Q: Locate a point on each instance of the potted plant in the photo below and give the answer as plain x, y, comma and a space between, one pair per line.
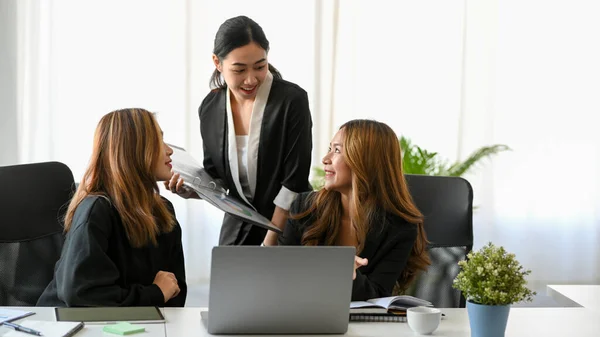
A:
491, 279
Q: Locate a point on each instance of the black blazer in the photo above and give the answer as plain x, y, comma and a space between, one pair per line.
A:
99, 267
284, 153
387, 247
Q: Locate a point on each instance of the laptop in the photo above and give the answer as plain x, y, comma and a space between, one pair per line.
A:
279, 290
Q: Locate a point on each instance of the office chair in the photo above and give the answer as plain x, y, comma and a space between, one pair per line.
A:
33, 199
447, 206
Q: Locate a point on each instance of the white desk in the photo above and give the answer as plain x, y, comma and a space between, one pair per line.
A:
547, 322
90, 330
522, 322
587, 296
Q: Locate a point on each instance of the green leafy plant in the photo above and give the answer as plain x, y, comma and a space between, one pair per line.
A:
416, 160
492, 276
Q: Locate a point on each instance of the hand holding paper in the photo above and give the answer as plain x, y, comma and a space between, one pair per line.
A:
176, 185
212, 190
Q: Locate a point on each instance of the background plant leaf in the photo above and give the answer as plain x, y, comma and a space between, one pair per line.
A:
458, 169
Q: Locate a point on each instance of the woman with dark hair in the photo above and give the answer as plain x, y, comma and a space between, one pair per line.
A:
256, 132
365, 203
123, 242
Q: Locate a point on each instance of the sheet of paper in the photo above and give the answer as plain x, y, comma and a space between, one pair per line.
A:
13, 314
48, 328
360, 304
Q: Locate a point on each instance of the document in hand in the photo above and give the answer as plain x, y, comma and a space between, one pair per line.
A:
212, 190
383, 304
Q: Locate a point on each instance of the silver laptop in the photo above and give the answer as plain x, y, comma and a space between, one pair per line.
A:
279, 290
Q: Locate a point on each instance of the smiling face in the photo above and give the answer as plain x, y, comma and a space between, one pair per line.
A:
162, 168
338, 175
244, 70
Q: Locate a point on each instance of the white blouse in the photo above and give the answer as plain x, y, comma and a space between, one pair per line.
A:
242, 153
285, 197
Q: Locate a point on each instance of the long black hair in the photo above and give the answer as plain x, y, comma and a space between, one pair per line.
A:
234, 33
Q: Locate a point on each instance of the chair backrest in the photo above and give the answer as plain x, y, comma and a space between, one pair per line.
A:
447, 207
33, 199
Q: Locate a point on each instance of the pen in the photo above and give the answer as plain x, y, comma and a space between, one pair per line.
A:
21, 328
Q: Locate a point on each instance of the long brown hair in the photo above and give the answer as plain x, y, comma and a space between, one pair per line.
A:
127, 145
372, 152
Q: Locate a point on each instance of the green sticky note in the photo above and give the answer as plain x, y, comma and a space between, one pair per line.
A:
123, 328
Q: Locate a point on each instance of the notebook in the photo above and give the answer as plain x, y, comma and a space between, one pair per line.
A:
102, 315
384, 304
49, 328
399, 317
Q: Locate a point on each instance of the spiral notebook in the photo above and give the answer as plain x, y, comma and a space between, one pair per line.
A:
399, 318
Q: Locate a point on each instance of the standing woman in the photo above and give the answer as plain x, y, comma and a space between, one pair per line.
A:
256, 132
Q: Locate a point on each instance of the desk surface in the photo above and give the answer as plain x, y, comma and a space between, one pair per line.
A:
548, 322
587, 296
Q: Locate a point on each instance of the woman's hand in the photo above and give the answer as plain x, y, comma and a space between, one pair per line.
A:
358, 262
167, 282
176, 186
278, 220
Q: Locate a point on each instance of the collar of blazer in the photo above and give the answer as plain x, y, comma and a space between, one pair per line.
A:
258, 110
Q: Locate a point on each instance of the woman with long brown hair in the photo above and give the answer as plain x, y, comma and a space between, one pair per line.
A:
365, 203
123, 242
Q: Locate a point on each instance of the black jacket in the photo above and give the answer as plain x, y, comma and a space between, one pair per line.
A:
284, 153
98, 266
387, 248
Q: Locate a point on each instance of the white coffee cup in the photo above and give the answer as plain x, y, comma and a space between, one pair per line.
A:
423, 320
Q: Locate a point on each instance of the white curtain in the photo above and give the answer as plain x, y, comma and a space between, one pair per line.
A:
450, 75
398, 62
457, 75
33, 86
531, 82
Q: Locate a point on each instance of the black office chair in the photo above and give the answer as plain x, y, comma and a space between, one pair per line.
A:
447, 207
33, 199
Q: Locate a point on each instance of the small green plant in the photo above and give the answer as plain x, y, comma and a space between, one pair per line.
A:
492, 276
416, 160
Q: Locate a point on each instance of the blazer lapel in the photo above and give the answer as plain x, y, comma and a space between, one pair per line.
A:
221, 134
256, 130
232, 149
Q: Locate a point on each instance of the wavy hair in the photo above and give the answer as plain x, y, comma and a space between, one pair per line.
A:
372, 152
127, 145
